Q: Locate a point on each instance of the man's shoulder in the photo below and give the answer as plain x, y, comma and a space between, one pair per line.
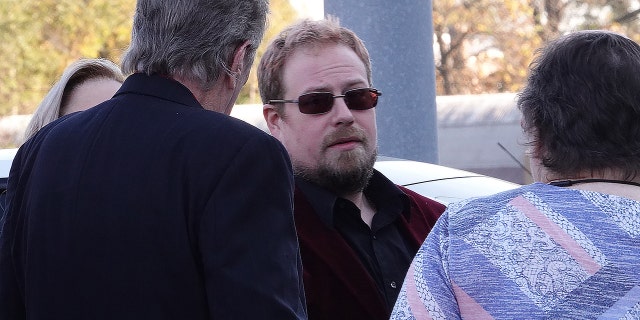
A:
189, 121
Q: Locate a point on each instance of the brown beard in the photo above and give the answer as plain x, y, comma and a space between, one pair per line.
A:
349, 174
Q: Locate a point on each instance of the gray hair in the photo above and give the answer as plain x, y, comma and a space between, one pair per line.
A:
193, 39
73, 76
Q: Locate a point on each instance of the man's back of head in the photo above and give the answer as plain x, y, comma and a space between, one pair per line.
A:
200, 43
150, 205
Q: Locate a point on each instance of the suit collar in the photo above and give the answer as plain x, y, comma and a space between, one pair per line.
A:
170, 89
320, 199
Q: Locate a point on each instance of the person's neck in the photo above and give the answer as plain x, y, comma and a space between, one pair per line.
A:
367, 209
608, 184
571, 182
216, 98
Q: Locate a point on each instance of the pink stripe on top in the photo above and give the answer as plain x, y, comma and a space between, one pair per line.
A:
469, 308
560, 236
418, 309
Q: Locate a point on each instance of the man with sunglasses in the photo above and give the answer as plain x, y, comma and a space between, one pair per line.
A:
358, 231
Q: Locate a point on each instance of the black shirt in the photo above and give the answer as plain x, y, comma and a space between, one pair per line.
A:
382, 249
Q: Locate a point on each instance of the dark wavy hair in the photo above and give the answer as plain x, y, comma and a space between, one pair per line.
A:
581, 104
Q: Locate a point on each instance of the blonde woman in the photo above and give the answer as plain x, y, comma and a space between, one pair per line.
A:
84, 84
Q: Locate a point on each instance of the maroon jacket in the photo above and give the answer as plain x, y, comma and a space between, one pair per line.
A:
337, 285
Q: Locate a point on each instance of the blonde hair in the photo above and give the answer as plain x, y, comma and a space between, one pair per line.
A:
74, 75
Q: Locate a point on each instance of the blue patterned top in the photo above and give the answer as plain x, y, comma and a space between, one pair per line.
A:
536, 252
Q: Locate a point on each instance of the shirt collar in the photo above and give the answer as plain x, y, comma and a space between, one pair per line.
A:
380, 191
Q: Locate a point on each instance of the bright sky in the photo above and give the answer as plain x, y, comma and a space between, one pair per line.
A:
313, 9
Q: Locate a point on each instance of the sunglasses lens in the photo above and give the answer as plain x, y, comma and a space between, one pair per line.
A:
361, 99
321, 102
315, 102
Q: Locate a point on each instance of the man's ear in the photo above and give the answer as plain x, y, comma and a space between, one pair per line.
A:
237, 65
272, 119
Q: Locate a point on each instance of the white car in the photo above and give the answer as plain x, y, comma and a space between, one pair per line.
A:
443, 184
440, 183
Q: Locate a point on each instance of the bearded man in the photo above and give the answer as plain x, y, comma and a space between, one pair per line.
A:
358, 231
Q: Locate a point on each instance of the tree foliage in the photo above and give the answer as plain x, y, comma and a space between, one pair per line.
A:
40, 38
481, 46
476, 49
485, 46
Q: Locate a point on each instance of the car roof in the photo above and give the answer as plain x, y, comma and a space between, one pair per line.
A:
405, 172
440, 183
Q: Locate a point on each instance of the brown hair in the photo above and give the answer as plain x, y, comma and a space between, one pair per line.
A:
305, 33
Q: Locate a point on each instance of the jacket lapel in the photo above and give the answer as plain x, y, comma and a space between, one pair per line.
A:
327, 245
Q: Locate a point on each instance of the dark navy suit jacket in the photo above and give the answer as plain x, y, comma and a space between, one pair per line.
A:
150, 207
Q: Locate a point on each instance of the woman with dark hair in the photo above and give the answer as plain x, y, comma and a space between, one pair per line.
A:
566, 246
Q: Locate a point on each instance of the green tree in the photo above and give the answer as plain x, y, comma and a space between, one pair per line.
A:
41, 37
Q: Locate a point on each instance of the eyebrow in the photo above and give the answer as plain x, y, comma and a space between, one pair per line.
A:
352, 85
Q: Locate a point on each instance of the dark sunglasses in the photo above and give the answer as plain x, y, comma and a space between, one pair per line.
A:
322, 102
